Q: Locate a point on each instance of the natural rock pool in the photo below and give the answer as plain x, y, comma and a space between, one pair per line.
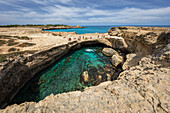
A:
65, 75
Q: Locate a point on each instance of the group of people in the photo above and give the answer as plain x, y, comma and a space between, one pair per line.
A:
85, 38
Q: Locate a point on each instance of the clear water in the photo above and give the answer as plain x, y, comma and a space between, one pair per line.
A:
89, 29
64, 75
99, 29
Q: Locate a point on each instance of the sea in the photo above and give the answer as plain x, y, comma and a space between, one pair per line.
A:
99, 29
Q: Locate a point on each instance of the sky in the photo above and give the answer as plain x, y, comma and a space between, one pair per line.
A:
85, 12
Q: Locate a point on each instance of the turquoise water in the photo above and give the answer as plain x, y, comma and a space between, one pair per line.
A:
65, 75
99, 29
89, 29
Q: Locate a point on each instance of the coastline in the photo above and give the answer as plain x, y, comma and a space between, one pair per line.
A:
141, 46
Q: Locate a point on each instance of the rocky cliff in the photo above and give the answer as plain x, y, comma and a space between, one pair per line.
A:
16, 73
143, 86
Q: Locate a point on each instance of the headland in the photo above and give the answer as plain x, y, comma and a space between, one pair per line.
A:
141, 86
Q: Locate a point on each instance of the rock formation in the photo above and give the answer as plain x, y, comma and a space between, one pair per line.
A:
143, 86
109, 52
11, 75
85, 77
116, 60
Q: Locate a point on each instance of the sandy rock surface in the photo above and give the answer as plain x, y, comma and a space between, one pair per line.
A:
116, 60
142, 87
42, 39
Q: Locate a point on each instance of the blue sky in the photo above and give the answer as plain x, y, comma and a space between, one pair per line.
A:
85, 12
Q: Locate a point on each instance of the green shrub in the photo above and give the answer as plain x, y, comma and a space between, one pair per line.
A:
26, 44
33, 25
22, 37
16, 37
2, 42
2, 58
12, 49
12, 42
5, 36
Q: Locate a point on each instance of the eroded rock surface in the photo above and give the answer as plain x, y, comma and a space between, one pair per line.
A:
142, 87
85, 76
139, 40
109, 51
14, 74
116, 60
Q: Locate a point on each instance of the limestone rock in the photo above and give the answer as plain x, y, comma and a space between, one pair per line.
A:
138, 40
143, 87
104, 41
134, 88
85, 76
118, 43
116, 60
131, 61
109, 51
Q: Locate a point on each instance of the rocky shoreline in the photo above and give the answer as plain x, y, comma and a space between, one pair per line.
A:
62, 27
11, 75
141, 87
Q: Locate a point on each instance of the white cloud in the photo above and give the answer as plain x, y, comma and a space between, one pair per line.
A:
85, 15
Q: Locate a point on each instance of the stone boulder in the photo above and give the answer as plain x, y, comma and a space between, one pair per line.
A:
109, 51
116, 60
118, 43
131, 61
85, 76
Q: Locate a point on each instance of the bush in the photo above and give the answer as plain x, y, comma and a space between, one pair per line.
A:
2, 42
12, 49
33, 25
22, 37
5, 36
12, 42
16, 37
2, 58
26, 44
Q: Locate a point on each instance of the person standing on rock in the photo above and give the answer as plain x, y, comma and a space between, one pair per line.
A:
140, 28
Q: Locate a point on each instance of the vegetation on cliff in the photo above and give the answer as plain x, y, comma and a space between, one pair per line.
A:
33, 25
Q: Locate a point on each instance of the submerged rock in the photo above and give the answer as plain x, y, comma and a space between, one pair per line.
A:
85, 76
109, 51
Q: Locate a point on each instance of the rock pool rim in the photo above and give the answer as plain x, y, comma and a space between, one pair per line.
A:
45, 70
51, 55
